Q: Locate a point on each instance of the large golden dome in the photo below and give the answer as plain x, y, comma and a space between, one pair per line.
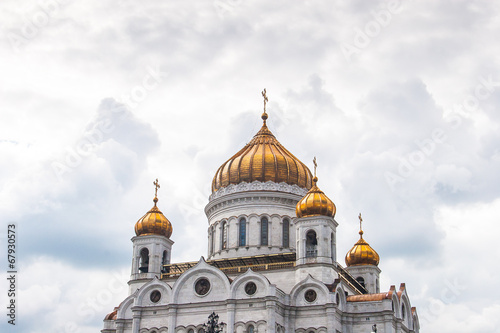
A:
263, 159
315, 202
362, 254
154, 222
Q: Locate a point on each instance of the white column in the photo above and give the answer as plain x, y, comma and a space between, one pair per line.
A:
136, 320
172, 318
271, 316
231, 307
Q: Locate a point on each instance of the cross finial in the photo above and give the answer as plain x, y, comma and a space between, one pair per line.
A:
157, 186
265, 98
315, 165
360, 224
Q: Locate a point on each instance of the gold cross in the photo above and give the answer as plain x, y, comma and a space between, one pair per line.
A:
315, 165
360, 222
265, 99
157, 186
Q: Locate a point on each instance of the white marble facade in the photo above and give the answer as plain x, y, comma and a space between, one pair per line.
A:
308, 296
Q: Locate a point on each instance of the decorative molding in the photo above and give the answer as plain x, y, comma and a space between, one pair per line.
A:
258, 186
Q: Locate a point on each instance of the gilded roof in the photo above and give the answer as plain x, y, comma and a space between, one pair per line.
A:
154, 223
315, 202
263, 159
362, 254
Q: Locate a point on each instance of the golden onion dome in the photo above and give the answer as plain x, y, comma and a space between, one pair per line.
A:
361, 253
315, 202
154, 222
263, 159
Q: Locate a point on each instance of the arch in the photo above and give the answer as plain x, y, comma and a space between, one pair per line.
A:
238, 284
286, 232
155, 284
202, 268
264, 230
242, 232
323, 294
361, 280
125, 307
340, 297
406, 315
311, 244
144, 260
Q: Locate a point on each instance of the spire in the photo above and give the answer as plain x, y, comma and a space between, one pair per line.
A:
264, 115
360, 225
157, 186
315, 179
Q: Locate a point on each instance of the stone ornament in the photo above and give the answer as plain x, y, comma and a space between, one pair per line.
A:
310, 295
250, 288
202, 286
258, 186
155, 296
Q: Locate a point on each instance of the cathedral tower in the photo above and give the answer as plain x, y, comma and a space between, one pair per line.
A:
252, 206
362, 263
152, 243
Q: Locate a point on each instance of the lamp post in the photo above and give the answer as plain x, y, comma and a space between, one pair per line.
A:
213, 325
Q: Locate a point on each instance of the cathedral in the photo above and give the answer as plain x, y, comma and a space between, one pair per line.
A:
271, 264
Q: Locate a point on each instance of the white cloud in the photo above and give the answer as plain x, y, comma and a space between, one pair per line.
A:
361, 118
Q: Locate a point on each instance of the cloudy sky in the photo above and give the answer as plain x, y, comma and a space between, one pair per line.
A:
398, 101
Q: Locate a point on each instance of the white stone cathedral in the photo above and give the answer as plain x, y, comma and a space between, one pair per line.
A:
271, 265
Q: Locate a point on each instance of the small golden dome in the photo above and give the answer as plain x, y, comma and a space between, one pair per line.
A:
154, 222
315, 202
263, 159
361, 253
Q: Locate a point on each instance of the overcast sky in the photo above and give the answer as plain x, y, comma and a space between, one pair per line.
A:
398, 101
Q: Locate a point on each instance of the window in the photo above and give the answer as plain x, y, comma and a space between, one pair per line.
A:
286, 233
360, 280
264, 231
144, 260
311, 244
250, 329
165, 258
212, 241
332, 245
223, 236
243, 232
403, 312
164, 261
191, 331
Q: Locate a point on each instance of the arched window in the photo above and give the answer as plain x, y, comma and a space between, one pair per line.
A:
377, 287
164, 260
337, 299
311, 244
213, 240
144, 260
243, 232
264, 231
210, 241
286, 233
201, 330
403, 312
190, 330
223, 236
250, 329
332, 246
360, 280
